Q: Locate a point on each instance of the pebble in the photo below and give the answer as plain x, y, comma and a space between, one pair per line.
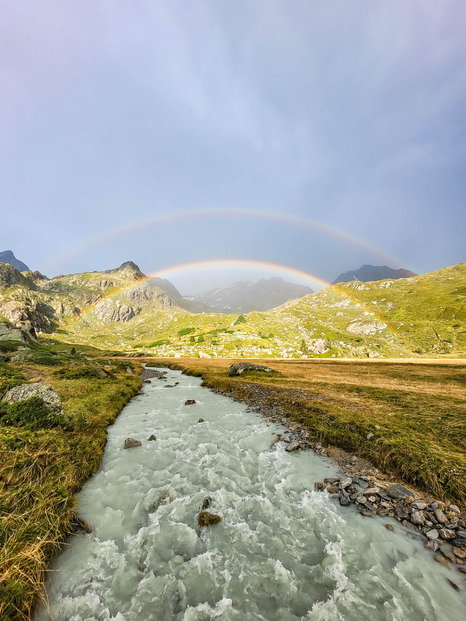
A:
432, 534
389, 527
344, 501
459, 552
420, 506
417, 517
370, 491
440, 516
346, 483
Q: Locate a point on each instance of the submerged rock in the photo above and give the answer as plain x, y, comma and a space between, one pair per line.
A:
132, 443
208, 519
293, 446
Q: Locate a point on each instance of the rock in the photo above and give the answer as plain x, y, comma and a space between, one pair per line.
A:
275, 440
432, 545
446, 533
370, 491
461, 533
401, 512
454, 509
448, 553
389, 527
344, 501
331, 480
440, 516
417, 517
318, 486
131, 443
27, 391
398, 492
189, 402
207, 519
346, 483
152, 438
201, 420
442, 560
420, 506
453, 585
169, 386
294, 446
247, 367
332, 490
459, 542
432, 534
206, 503
459, 552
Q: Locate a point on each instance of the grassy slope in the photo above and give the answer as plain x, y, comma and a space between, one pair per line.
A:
41, 470
424, 315
416, 412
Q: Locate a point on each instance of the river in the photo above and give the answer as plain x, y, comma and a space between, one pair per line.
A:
281, 551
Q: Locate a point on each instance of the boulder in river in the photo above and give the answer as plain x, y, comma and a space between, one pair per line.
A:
208, 519
152, 438
247, 367
201, 420
293, 446
131, 443
190, 401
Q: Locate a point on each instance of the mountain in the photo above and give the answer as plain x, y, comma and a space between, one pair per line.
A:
122, 309
371, 273
244, 296
7, 256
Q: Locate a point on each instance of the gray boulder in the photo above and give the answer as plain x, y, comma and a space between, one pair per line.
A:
27, 391
247, 367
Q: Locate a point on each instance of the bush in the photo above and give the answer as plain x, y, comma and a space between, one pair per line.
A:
72, 373
32, 414
185, 331
8, 346
47, 358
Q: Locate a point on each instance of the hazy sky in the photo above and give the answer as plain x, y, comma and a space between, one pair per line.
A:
199, 119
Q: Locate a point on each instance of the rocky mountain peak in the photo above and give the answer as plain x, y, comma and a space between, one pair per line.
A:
370, 273
7, 256
130, 266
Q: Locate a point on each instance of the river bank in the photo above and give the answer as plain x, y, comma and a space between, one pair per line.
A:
440, 522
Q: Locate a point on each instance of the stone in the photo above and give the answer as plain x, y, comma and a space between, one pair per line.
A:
448, 553
461, 533
346, 483
332, 490
453, 584
442, 560
190, 402
432, 534
344, 501
417, 517
132, 443
370, 491
331, 480
459, 552
294, 446
275, 440
440, 516
318, 486
206, 503
26, 391
169, 386
152, 438
432, 545
389, 527
401, 512
454, 509
459, 542
208, 519
446, 533
247, 367
201, 420
420, 506
398, 492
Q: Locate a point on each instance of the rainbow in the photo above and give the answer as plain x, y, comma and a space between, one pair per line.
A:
228, 213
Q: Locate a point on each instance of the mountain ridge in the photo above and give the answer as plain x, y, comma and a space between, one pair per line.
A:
372, 273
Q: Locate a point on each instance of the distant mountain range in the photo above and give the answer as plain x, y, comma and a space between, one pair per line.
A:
371, 273
244, 296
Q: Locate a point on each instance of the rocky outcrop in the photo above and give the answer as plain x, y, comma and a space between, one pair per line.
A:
26, 391
28, 311
8, 332
247, 367
10, 276
110, 312
368, 273
366, 327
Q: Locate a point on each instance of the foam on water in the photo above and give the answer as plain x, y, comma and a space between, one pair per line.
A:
281, 551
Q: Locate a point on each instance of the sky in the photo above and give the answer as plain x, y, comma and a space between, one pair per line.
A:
314, 135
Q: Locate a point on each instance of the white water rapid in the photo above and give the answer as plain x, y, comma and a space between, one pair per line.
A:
281, 552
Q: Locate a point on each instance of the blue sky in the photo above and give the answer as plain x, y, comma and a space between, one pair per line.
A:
349, 115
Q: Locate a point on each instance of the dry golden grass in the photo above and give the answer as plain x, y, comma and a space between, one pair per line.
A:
40, 473
415, 411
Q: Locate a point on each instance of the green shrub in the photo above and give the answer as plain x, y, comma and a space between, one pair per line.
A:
32, 414
47, 358
72, 373
7, 346
185, 331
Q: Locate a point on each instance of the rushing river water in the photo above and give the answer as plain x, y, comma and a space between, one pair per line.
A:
281, 551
